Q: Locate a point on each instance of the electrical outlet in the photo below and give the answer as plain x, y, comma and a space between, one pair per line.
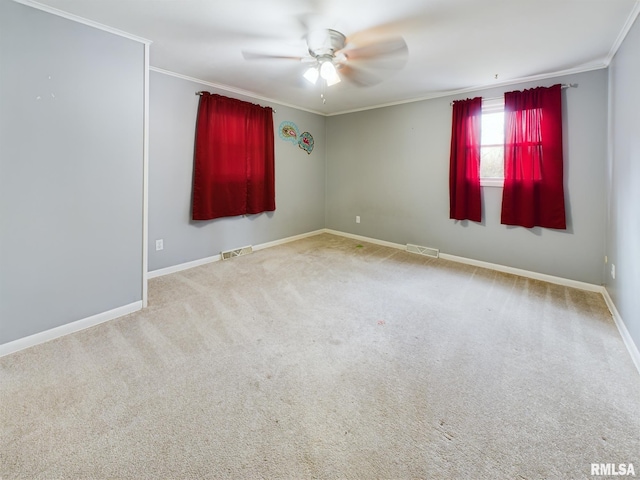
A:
606, 259
357, 218
613, 271
159, 244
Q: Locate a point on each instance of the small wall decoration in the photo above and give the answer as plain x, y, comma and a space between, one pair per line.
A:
306, 142
288, 131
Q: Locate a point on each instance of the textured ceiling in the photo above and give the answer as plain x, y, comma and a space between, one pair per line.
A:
453, 45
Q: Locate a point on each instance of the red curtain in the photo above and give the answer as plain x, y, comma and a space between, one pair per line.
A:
464, 163
533, 192
234, 159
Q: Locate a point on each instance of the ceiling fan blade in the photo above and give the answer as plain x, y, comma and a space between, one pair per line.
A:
248, 55
389, 47
372, 64
359, 76
403, 24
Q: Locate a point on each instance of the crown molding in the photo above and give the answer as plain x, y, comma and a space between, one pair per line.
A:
449, 93
230, 89
477, 88
623, 33
84, 21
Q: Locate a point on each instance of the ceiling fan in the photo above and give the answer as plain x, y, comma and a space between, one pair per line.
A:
332, 56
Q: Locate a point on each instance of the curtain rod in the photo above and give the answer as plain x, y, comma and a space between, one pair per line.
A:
563, 86
202, 91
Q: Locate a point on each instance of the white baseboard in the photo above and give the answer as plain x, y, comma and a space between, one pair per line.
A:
375, 241
566, 282
203, 261
182, 266
62, 330
478, 263
622, 328
288, 239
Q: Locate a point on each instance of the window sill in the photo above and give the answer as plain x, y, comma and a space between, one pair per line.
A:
492, 182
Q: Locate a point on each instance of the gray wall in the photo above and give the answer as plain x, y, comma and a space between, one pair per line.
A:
71, 145
300, 180
391, 167
623, 183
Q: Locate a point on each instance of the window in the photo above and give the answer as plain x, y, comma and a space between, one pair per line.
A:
492, 143
514, 143
234, 159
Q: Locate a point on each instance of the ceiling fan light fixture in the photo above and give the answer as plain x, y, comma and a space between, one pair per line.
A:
333, 80
329, 73
327, 70
312, 75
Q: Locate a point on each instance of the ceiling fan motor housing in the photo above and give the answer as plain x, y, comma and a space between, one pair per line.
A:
325, 43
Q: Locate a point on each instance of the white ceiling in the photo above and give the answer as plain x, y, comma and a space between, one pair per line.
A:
453, 45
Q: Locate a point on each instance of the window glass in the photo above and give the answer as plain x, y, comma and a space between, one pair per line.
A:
492, 142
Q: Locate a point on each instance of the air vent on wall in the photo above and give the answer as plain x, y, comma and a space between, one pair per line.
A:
426, 251
236, 253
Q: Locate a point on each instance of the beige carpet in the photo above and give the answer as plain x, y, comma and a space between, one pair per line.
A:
326, 358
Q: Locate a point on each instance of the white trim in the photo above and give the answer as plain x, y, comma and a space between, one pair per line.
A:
215, 258
182, 266
492, 182
632, 348
477, 88
84, 21
479, 263
493, 105
287, 239
524, 273
449, 93
623, 33
375, 241
228, 88
145, 183
66, 329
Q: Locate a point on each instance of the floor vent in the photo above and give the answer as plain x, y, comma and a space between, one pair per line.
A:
236, 253
426, 251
